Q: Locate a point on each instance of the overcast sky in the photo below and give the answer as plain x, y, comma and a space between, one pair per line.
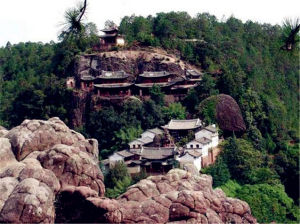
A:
39, 20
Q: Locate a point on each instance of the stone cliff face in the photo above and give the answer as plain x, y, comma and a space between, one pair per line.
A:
49, 173
131, 61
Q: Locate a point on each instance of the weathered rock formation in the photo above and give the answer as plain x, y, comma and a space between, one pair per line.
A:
131, 61
179, 197
49, 173
39, 160
227, 112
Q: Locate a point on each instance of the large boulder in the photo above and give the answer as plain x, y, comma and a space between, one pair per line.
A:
229, 114
226, 111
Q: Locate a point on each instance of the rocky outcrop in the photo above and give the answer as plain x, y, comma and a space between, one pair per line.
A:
49, 173
131, 61
38, 161
38, 135
227, 112
179, 197
3, 131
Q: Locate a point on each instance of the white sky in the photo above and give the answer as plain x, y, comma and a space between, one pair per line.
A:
38, 20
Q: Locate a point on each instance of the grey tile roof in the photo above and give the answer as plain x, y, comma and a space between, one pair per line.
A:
113, 75
156, 131
193, 73
113, 85
143, 141
157, 152
211, 128
125, 153
109, 29
146, 140
154, 74
87, 78
183, 124
193, 153
204, 140
149, 85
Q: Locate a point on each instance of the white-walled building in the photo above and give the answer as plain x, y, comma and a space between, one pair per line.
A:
209, 132
147, 137
152, 133
120, 156
205, 141
145, 153
190, 157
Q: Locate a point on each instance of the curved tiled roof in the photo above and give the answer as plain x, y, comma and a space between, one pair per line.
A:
183, 124
110, 29
211, 128
156, 131
193, 153
193, 73
149, 85
157, 153
125, 153
113, 75
113, 85
87, 78
154, 74
144, 141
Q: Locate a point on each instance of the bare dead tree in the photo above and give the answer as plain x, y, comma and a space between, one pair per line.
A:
291, 36
82, 11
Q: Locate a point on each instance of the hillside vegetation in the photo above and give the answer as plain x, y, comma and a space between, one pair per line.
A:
243, 60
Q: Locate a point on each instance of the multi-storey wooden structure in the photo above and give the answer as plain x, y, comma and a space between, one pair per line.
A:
146, 80
111, 38
113, 84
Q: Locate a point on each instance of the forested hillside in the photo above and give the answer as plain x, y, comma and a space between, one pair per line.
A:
244, 60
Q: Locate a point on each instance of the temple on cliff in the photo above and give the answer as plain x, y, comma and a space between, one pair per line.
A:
146, 80
119, 84
113, 85
189, 81
156, 152
111, 38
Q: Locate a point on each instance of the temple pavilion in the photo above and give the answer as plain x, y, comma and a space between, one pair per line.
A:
111, 38
87, 82
113, 84
147, 79
190, 81
181, 128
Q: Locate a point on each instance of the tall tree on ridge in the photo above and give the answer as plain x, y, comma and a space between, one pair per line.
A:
290, 33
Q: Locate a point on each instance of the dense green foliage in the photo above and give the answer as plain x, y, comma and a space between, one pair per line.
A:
117, 180
219, 171
244, 60
268, 202
28, 87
